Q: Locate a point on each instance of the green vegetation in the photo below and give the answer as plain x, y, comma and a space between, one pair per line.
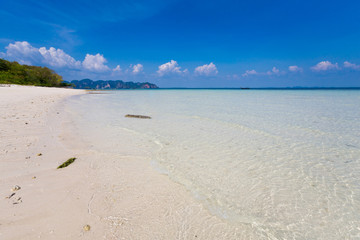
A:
67, 163
15, 73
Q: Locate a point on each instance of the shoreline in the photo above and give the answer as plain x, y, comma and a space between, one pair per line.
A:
120, 197
45, 206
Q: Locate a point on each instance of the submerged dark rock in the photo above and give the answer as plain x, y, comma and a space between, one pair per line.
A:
137, 116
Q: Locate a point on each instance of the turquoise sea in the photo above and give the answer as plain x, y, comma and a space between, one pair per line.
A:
285, 162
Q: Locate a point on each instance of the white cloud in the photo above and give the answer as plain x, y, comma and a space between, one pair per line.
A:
137, 68
171, 67
24, 53
95, 63
324, 66
249, 72
2, 54
117, 69
58, 58
207, 70
274, 71
295, 69
351, 65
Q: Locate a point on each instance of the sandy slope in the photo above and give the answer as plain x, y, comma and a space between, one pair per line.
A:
50, 203
120, 197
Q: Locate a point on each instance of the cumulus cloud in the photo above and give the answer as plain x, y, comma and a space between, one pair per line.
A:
249, 73
117, 69
325, 66
171, 67
274, 71
24, 53
58, 58
351, 65
295, 69
137, 68
206, 70
95, 63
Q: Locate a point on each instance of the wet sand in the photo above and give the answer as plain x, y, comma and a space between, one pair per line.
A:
119, 197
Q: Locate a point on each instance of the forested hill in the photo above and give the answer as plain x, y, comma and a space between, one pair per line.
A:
15, 73
111, 84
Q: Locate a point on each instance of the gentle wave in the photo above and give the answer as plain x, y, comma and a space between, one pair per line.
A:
284, 162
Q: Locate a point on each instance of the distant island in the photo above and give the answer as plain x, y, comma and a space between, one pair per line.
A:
15, 73
110, 84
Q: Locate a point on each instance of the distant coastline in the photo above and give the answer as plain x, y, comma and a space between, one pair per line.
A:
269, 88
110, 84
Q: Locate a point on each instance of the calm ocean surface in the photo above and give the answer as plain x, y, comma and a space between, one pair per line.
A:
285, 162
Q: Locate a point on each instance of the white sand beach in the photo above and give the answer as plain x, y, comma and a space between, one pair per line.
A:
30, 153
122, 199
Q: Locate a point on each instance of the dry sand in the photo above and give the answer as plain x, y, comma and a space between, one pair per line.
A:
119, 197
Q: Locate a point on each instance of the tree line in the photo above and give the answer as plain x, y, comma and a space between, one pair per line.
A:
15, 73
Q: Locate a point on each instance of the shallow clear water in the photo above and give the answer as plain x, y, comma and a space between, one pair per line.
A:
287, 163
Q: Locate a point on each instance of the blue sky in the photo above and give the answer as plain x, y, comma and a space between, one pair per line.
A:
174, 43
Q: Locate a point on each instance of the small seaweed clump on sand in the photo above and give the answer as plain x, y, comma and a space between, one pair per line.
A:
137, 116
67, 163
